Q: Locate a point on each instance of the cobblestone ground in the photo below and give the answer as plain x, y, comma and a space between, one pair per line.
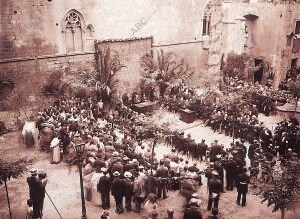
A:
63, 183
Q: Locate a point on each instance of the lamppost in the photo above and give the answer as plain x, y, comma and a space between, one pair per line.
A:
79, 148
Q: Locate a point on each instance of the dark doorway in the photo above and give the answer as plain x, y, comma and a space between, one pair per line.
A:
294, 63
259, 70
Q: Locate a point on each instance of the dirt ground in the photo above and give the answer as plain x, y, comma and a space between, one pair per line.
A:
64, 189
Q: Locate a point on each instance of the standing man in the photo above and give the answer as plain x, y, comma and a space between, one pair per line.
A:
230, 167
118, 191
36, 192
139, 190
215, 189
214, 150
202, 149
104, 188
128, 190
163, 173
243, 180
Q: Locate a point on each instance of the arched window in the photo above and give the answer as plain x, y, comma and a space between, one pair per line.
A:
206, 23
90, 31
73, 27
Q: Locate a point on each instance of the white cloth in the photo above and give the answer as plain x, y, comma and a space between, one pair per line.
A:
96, 198
54, 145
30, 127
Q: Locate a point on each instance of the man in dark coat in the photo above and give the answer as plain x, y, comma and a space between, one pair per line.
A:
36, 192
230, 167
104, 188
202, 149
118, 191
128, 184
192, 212
214, 150
215, 189
150, 185
242, 187
163, 173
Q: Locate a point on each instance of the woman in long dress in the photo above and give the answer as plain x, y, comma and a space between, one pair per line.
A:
54, 145
96, 198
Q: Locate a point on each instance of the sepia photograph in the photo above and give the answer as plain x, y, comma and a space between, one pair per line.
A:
149, 109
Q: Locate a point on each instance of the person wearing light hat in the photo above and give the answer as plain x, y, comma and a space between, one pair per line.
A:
170, 213
128, 190
36, 192
118, 191
103, 187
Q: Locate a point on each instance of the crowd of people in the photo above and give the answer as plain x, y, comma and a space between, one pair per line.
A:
121, 161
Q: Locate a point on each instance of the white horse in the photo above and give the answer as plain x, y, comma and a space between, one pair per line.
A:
30, 133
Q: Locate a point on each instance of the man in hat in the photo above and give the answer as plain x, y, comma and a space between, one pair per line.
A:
36, 192
104, 188
118, 191
230, 167
193, 210
170, 214
163, 173
214, 150
139, 190
242, 187
202, 149
105, 215
215, 189
128, 190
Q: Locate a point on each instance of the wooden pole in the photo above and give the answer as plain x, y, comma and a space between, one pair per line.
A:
152, 155
7, 200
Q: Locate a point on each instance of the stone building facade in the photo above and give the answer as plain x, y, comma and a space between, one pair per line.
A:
39, 37
268, 31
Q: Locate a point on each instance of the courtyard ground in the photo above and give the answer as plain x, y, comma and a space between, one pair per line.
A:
64, 189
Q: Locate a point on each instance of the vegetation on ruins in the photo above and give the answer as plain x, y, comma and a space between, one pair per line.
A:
282, 191
164, 69
237, 66
107, 66
12, 168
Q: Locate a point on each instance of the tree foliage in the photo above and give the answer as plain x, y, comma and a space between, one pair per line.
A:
107, 67
283, 189
237, 66
13, 168
294, 86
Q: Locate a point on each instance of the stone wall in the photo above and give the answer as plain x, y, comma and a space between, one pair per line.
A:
195, 54
263, 35
31, 74
33, 36
130, 52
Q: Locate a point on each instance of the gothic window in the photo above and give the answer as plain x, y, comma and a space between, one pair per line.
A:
74, 28
206, 22
90, 30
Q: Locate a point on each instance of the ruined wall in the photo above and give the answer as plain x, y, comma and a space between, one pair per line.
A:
30, 75
215, 42
194, 54
262, 37
130, 53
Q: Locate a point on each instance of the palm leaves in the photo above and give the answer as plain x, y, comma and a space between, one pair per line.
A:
107, 66
166, 67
